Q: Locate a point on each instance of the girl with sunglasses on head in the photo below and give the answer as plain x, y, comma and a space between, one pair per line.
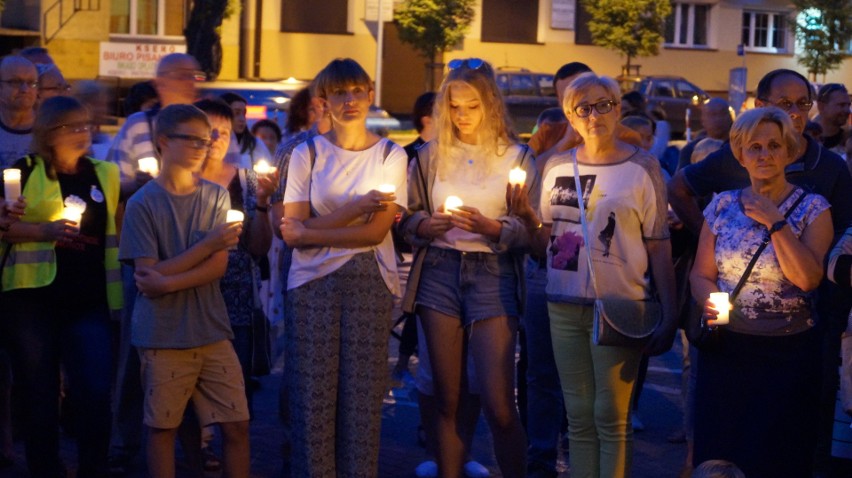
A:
623, 193
466, 281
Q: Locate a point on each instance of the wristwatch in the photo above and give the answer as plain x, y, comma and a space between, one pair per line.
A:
777, 226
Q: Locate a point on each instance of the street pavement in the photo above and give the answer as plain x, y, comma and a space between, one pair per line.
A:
654, 457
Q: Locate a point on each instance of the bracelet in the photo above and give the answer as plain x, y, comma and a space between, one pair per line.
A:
263, 209
777, 226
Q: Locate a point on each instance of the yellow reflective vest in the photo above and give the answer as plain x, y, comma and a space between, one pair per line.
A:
33, 264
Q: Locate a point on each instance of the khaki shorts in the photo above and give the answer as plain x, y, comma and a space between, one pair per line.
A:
210, 375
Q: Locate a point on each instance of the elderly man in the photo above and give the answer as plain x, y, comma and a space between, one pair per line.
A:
833, 105
716, 119
18, 88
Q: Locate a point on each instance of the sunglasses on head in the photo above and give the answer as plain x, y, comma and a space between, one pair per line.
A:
472, 63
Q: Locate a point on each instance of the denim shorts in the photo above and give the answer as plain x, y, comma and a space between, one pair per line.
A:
470, 285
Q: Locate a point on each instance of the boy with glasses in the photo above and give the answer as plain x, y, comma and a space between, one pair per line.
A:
176, 236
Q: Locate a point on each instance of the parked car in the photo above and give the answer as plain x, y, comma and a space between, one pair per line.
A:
672, 95
271, 99
527, 94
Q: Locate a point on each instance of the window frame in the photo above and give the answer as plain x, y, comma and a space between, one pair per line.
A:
690, 26
772, 16
161, 23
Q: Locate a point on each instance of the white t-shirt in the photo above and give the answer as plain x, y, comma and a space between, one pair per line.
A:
625, 205
485, 191
339, 176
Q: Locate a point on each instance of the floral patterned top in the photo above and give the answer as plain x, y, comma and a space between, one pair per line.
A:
768, 303
236, 285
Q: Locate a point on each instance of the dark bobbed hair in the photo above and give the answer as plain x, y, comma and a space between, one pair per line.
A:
570, 69
215, 107
139, 94
632, 119
423, 106
267, 123
297, 114
231, 97
765, 84
53, 112
340, 72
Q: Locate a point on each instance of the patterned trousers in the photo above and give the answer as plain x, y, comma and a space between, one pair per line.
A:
336, 369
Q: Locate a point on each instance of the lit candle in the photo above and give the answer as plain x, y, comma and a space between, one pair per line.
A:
234, 216
262, 167
452, 202
387, 189
12, 184
74, 209
721, 303
517, 176
149, 165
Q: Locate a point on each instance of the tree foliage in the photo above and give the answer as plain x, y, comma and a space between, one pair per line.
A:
630, 27
433, 26
823, 29
202, 32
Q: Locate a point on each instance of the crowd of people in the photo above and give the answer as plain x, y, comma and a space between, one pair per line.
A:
139, 273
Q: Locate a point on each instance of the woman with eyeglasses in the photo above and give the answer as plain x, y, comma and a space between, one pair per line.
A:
344, 189
467, 278
60, 286
624, 196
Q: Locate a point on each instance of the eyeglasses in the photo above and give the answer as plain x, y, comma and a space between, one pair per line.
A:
17, 84
787, 105
194, 142
185, 75
602, 107
74, 128
472, 63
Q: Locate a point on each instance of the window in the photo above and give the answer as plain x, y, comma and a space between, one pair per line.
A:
148, 17
765, 31
687, 26
522, 85
509, 21
299, 16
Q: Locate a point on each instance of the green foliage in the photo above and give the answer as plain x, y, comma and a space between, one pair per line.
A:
631, 27
433, 26
823, 28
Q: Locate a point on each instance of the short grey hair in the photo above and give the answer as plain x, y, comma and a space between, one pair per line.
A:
745, 125
584, 82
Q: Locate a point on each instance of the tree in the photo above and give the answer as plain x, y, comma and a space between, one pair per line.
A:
203, 40
432, 27
631, 27
823, 28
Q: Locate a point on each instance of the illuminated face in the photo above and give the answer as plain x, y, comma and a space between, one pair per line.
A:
239, 109
835, 110
597, 124
187, 146
72, 137
348, 104
220, 134
765, 154
268, 136
466, 111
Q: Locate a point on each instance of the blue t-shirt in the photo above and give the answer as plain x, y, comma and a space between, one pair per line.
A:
161, 225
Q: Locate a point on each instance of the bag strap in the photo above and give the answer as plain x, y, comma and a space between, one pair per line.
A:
312, 156
766, 240
583, 223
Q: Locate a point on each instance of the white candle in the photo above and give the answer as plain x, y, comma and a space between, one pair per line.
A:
387, 188
234, 216
149, 165
12, 184
452, 202
73, 213
262, 167
722, 304
517, 176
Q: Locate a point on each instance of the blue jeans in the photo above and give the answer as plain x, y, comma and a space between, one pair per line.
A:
544, 395
41, 333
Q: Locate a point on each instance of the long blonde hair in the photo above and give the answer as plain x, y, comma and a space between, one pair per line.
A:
495, 132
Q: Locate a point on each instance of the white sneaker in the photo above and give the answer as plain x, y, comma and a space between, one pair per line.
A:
427, 469
474, 469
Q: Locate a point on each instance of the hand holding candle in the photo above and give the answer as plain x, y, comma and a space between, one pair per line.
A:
721, 303
263, 167
234, 216
517, 177
12, 185
150, 166
452, 203
387, 189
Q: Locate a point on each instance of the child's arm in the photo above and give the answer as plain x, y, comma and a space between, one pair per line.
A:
219, 239
152, 283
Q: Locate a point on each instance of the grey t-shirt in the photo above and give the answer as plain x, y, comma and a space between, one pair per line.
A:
14, 145
161, 225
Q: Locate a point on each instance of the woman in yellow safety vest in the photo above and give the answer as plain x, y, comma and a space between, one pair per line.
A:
60, 283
